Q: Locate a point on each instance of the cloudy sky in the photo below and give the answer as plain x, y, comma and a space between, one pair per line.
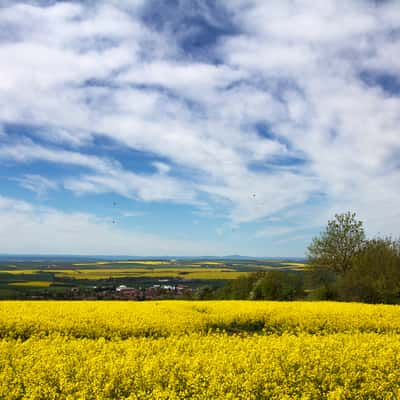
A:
196, 127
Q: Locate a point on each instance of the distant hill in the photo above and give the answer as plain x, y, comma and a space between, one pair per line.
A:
73, 257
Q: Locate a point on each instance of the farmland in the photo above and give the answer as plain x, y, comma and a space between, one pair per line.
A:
199, 350
64, 279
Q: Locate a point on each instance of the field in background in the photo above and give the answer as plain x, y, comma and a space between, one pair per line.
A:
200, 350
102, 273
30, 278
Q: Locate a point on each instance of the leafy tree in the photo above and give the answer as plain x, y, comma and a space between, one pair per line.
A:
322, 282
375, 273
204, 293
335, 248
261, 285
240, 288
278, 285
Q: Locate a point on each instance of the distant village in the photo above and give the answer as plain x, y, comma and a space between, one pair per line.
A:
123, 292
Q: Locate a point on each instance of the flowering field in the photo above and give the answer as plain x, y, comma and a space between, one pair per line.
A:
107, 273
199, 350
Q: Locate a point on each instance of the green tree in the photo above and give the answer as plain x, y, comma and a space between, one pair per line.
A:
278, 285
335, 247
322, 282
240, 288
375, 273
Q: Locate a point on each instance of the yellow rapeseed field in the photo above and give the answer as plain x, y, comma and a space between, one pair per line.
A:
199, 350
142, 262
31, 283
106, 273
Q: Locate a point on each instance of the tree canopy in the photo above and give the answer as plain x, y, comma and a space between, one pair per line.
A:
375, 273
335, 247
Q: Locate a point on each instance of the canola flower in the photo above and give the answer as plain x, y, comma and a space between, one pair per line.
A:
121, 319
199, 350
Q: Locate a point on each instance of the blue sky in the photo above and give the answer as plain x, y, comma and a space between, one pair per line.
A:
196, 127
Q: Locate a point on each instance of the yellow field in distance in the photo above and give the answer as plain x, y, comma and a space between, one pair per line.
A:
294, 264
105, 273
144, 262
208, 262
31, 283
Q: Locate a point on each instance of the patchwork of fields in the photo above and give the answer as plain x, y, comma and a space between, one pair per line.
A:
110, 273
57, 277
199, 350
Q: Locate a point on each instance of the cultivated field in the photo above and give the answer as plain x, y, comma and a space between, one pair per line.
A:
27, 279
199, 350
111, 273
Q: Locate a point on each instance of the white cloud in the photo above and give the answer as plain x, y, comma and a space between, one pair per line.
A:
28, 229
133, 214
161, 167
295, 67
108, 176
277, 231
144, 187
193, 80
15, 205
36, 183
347, 130
27, 151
